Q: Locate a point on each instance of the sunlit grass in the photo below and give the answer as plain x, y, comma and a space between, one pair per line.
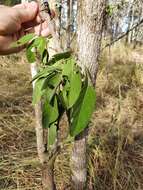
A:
115, 144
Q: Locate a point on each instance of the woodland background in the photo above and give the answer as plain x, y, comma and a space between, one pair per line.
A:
115, 143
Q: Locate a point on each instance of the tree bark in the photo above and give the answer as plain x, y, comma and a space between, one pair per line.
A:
90, 26
41, 136
79, 162
130, 15
69, 22
59, 19
48, 176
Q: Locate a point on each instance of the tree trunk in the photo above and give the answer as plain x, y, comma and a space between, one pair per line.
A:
130, 15
59, 19
79, 162
69, 22
48, 176
90, 26
41, 136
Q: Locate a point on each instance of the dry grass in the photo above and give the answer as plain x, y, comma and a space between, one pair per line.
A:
17, 136
117, 151
115, 147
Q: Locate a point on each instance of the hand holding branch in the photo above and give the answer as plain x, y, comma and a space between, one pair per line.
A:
17, 21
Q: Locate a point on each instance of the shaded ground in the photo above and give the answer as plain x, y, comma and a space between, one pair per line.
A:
115, 146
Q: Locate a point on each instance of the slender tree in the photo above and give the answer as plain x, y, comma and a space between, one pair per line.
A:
130, 13
46, 160
90, 26
69, 22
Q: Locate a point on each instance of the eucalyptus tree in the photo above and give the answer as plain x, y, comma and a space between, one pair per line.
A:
123, 16
39, 44
69, 19
137, 16
90, 23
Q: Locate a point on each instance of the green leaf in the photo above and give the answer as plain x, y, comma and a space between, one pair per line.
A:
46, 73
75, 88
63, 55
49, 93
68, 67
31, 56
63, 96
55, 81
82, 110
40, 44
71, 72
63, 99
53, 84
58, 57
52, 134
24, 40
50, 113
38, 92
45, 57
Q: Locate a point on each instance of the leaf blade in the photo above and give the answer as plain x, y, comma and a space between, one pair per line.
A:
24, 40
31, 57
52, 134
50, 113
75, 89
83, 110
37, 92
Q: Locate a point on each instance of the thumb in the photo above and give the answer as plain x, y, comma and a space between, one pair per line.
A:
27, 11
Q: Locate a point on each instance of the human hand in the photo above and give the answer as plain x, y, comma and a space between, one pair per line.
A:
17, 21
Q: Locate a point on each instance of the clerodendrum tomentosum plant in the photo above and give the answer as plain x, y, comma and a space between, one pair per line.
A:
61, 87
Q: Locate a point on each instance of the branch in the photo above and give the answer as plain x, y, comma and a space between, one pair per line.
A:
45, 16
124, 34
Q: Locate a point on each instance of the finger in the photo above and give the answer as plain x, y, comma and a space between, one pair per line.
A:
27, 11
38, 30
6, 47
36, 21
45, 32
12, 50
32, 23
